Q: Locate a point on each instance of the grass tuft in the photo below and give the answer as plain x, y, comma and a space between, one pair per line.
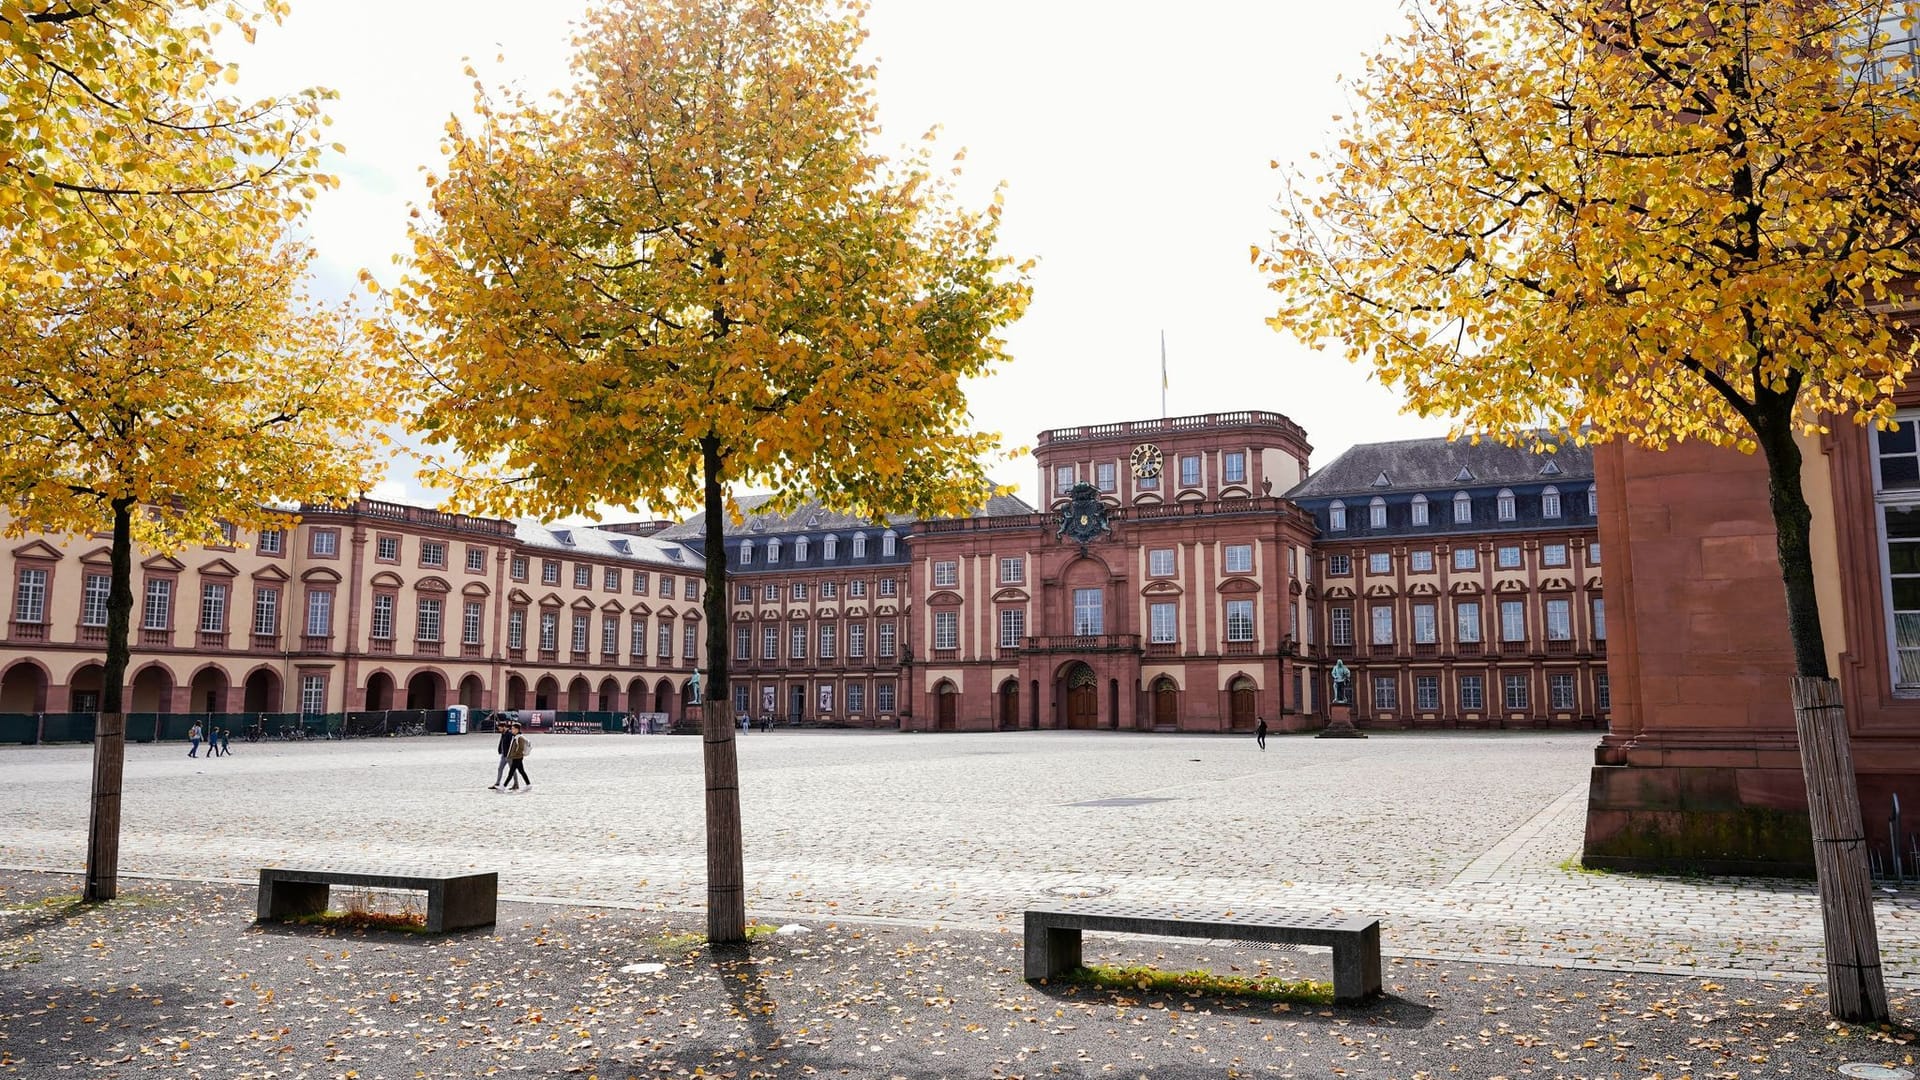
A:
672, 942
1140, 977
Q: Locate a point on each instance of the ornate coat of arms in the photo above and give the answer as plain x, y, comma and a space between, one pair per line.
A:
1085, 517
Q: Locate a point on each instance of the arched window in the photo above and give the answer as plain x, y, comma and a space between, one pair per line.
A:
1377, 513
1337, 516
859, 545
1550, 502
1503, 506
1593, 500
773, 550
800, 550
746, 552
1462, 508
887, 541
1419, 509
830, 547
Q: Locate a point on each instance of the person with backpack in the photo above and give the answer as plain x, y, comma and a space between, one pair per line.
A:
193, 740
517, 751
506, 743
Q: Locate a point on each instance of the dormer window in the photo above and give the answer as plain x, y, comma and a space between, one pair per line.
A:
1419, 509
1337, 516
888, 540
1462, 508
746, 553
1593, 500
773, 551
564, 536
1503, 505
859, 545
830, 547
1377, 513
1550, 502
800, 550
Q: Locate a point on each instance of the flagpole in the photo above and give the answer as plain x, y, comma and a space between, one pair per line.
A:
1163, 374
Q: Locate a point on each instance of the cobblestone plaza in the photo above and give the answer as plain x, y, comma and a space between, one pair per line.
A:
1462, 843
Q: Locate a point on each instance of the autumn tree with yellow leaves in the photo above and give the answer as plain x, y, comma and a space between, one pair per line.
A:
164, 377
690, 274
1646, 219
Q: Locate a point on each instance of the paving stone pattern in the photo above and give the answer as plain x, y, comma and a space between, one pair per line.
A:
1456, 841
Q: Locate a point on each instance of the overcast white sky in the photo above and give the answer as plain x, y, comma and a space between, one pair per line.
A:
1134, 139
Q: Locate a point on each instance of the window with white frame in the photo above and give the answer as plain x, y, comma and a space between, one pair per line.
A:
857, 640
325, 542
742, 593
158, 612
1340, 620
946, 630
549, 571
1013, 627
1377, 513
1160, 562
1593, 500
1062, 479
1550, 502
1560, 692
1503, 505
637, 638
582, 576
1013, 569
476, 560
1162, 624
610, 635
829, 641
517, 628
1462, 508
773, 550
1559, 620
1385, 697
266, 610
742, 642
690, 641
1233, 467
1239, 620
770, 592
1106, 476
582, 627
1420, 560
1896, 491
889, 587
797, 641
829, 590
1419, 510
471, 613
797, 590
320, 613
857, 589
887, 636
313, 694
1339, 565
1473, 693
1088, 616
667, 584
946, 573
830, 547
859, 545
1508, 556
1426, 627
883, 695
549, 631
30, 597
740, 692
856, 698
517, 567
610, 579
1379, 562
640, 582
1239, 558
271, 541
800, 549
889, 542
1513, 620
1553, 554
1466, 621
381, 626
1382, 624
1516, 691
426, 625
433, 553
1599, 619
1464, 558
1602, 691
386, 548
1593, 553
769, 643
1426, 692
1190, 470
93, 600
1336, 516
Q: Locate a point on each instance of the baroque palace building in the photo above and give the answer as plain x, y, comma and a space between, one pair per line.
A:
1187, 574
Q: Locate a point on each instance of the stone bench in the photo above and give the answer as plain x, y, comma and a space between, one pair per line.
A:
1053, 937
454, 901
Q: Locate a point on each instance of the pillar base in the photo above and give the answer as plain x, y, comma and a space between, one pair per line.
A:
1340, 724
1701, 819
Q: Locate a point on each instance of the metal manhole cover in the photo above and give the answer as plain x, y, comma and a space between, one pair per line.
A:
1077, 892
1866, 1071
1270, 946
1131, 801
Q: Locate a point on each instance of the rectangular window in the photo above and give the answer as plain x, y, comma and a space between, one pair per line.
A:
857, 589
1233, 467
1062, 479
1013, 627
666, 586
888, 587
797, 641
769, 643
1382, 624
582, 626
1466, 622
610, 635
1160, 562
1549, 504
1013, 569
883, 695
946, 630
1560, 692
742, 642
1342, 625
1463, 558
1380, 562
857, 640
30, 597
740, 691
691, 591
319, 614
640, 579
946, 574
1503, 506
476, 560
1559, 620
829, 641
742, 593
1239, 558
1473, 693
313, 694
1513, 620
433, 553
1190, 470
770, 594
1419, 515
325, 542
1602, 692
888, 633
1088, 617
517, 629
1426, 692
271, 541
427, 621
1162, 623
1593, 553
549, 571
1462, 509
1106, 476
797, 591
1599, 619
637, 638
1516, 691
1426, 628
1239, 620
856, 698
470, 616
93, 601
1385, 695
1337, 517
690, 641
663, 640
386, 548
1377, 514
1420, 561
266, 611
381, 626
829, 590
1553, 555
158, 613
1508, 557
549, 631
582, 577
610, 579
518, 567
1339, 565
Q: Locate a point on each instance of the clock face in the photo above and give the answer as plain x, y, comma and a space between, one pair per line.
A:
1146, 460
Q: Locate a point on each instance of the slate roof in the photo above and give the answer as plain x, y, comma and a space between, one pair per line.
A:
809, 517
601, 544
1434, 465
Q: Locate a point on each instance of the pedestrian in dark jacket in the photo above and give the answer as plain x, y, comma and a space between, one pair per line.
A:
1260, 733
517, 752
506, 741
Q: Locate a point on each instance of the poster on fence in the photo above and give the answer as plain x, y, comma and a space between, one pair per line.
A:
537, 719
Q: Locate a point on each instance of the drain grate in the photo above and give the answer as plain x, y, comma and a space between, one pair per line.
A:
1129, 801
1265, 946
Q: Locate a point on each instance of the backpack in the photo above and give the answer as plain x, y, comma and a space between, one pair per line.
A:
519, 748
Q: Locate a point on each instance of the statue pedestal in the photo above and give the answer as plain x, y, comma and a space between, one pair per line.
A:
1340, 724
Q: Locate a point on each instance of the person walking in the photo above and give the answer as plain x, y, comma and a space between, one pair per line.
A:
193, 741
226, 743
1260, 733
517, 752
506, 743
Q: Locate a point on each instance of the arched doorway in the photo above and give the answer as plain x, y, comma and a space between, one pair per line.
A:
1243, 702
379, 692
426, 690
663, 697
208, 691
637, 696
23, 690
579, 694
1166, 703
609, 694
1081, 701
946, 710
472, 690
262, 692
83, 689
152, 691
516, 692
1009, 705
546, 693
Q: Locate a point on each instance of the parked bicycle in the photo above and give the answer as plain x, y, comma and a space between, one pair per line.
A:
294, 732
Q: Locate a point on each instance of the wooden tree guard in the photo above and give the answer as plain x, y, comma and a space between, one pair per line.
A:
1856, 990
103, 816
726, 887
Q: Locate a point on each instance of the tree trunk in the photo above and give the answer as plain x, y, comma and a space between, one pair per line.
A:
110, 729
1856, 989
726, 860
